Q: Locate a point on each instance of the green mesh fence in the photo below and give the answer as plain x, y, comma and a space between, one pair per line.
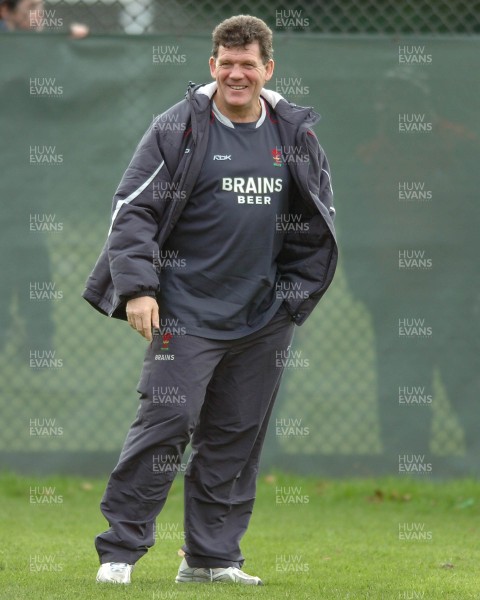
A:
314, 16
390, 357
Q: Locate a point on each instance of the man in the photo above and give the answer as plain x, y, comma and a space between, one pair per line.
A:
203, 200
21, 15
25, 15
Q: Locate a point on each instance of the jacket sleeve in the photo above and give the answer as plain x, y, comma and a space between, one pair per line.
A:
321, 185
137, 209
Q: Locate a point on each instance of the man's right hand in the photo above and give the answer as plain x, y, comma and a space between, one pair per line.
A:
143, 314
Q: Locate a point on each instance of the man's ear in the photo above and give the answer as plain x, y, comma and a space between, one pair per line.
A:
212, 63
269, 67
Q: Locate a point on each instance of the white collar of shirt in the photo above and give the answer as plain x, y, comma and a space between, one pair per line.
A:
226, 121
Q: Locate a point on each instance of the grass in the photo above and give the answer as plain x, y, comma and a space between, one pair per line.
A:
328, 540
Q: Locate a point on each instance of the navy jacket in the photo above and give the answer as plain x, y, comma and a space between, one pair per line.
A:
169, 157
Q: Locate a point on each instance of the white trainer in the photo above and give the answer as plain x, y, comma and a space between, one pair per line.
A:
114, 572
188, 574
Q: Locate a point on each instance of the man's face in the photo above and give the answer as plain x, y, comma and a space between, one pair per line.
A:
26, 15
240, 75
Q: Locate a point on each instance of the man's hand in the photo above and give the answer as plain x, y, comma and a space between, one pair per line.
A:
142, 314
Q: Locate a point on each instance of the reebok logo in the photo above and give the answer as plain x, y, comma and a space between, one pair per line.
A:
222, 157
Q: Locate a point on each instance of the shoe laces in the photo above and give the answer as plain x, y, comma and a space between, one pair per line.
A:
233, 572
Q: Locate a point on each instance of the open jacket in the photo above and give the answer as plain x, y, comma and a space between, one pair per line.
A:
169, 157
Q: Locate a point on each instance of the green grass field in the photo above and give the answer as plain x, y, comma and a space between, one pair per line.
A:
309, 539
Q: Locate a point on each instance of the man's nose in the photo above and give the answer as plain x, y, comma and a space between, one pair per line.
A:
236, 72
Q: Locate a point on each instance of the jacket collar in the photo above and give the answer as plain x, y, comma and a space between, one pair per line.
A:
270, 96
201, 95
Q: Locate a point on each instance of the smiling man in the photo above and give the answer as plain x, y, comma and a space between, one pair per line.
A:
240, 73
198, 265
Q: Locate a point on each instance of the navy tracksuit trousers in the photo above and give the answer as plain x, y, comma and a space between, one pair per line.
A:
218, 395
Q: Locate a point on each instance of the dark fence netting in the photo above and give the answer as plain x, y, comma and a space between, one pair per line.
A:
385, 374
314, 16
